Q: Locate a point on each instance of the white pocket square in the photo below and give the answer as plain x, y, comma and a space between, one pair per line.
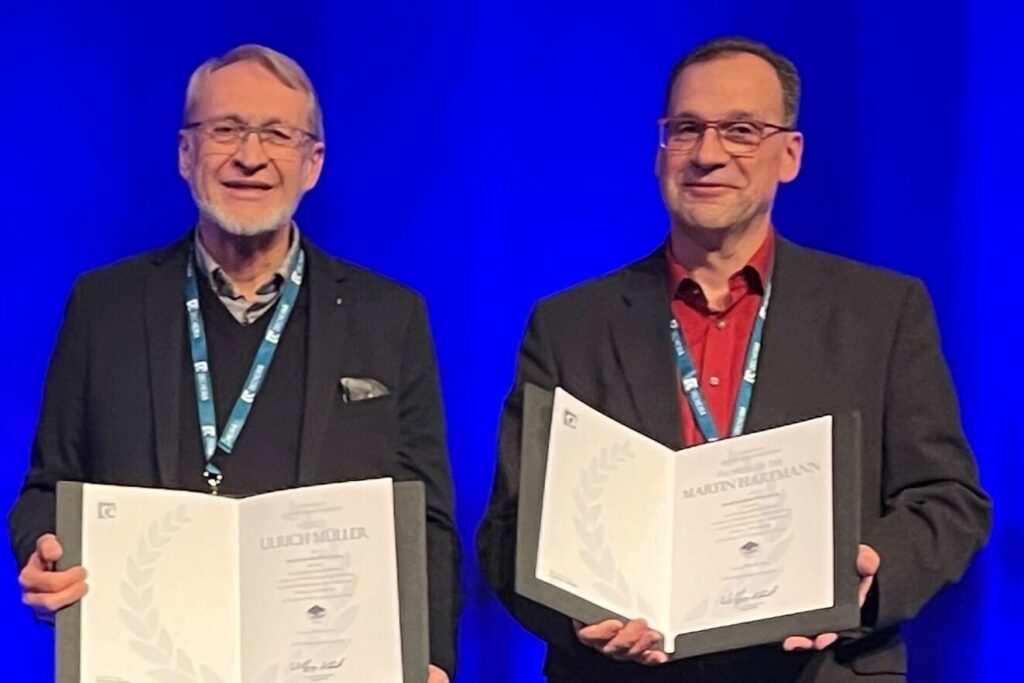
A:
361, 388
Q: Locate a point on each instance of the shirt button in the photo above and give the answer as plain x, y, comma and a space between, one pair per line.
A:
720, 324
714, 381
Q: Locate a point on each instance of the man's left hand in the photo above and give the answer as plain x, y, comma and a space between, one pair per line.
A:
868, 562
435, 675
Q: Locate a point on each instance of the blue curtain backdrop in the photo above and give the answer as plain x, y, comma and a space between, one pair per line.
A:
492, 153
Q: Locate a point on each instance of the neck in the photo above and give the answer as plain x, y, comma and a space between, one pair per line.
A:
248, 260
712, 256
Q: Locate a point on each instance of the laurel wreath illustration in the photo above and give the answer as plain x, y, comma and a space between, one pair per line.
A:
590, 528
152, 642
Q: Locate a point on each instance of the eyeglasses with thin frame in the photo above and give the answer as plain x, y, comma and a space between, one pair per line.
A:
738, 137
279, 138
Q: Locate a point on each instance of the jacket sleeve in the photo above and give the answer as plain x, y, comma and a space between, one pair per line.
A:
496, 538
936, 515
58, 450
423, 456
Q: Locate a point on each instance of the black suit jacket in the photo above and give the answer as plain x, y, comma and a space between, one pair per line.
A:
112, 398
839, 336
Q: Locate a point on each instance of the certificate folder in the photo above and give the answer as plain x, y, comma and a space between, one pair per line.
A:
582, 475
389, 597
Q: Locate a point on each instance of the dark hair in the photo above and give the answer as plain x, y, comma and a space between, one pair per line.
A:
730, 45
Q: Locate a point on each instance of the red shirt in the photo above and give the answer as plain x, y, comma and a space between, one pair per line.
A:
717, 340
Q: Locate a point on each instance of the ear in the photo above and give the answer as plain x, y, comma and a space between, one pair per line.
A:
658, 159
313, 166
792, 156
185, 154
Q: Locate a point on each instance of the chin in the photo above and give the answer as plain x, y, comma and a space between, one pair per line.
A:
706, 220
248, 226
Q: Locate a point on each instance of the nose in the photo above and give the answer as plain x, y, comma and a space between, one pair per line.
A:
250, 155
709, 152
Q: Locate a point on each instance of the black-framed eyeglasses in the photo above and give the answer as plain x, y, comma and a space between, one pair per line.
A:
738, 137
273, 136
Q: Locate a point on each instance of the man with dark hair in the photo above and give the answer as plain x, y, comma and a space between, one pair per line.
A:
352, 392
785, 70
838, 336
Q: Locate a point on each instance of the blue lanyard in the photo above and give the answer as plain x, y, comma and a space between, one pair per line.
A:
691, 385
257, 373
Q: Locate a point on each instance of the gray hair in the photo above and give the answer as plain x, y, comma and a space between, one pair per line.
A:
286, 69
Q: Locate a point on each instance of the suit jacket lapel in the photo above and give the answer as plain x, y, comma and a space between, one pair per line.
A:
796, 317
324, 337
165, 332
641, 342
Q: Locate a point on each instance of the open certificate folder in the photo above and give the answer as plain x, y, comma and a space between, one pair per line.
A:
322, 584
728, 544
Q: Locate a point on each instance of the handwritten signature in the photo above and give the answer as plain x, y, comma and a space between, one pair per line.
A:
308, 666
744, 600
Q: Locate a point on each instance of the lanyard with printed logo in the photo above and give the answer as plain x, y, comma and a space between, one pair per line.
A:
257, 373
691, 385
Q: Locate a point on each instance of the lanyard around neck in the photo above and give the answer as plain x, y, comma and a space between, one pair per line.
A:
691, 385
257, 372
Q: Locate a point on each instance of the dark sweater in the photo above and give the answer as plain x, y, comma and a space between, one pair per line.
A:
265, 457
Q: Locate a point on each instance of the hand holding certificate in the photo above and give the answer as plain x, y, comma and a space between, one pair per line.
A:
728, 544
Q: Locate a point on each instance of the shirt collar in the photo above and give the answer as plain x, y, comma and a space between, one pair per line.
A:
221, 283
755, 272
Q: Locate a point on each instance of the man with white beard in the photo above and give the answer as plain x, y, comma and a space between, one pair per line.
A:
352, 392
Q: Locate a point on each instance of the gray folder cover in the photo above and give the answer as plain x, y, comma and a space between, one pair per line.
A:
843, 615
410, 551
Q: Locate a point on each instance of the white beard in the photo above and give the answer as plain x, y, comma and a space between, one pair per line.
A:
246, 227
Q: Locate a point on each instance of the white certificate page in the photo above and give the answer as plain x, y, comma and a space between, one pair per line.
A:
752, 532
318, 586
606, 521
163, 601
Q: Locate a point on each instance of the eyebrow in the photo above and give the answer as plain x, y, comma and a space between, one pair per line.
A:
733, 115
238, 119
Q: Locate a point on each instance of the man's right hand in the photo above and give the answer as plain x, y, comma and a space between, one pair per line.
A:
625, 642
45, 589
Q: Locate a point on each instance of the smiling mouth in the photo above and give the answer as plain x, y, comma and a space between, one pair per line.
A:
247, 189
245, 185
705, 189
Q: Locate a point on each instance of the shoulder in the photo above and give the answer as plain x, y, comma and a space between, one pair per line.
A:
127, 277
841, 270
360, 286
597, 296
864, 291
